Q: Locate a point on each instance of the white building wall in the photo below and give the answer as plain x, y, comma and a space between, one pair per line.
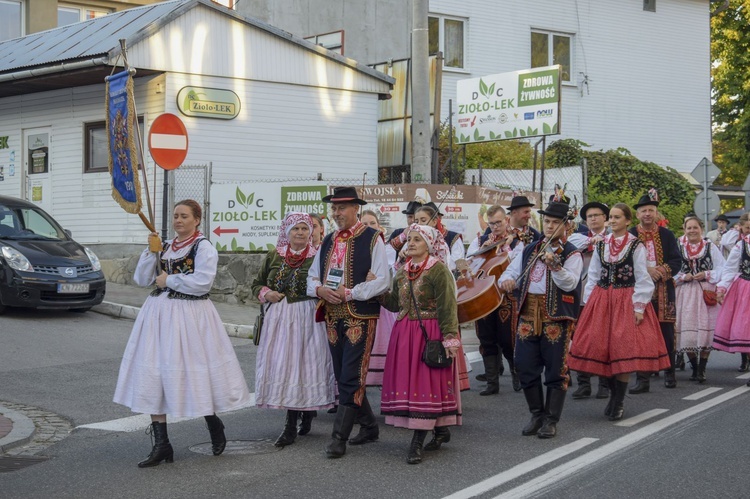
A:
81, 202
648, 72
282, 131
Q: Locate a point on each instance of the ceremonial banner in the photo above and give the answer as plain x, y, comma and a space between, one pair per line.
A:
123, 152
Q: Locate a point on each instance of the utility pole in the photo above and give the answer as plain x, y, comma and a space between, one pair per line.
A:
421, 171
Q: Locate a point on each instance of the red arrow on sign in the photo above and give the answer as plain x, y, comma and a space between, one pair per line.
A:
219, 231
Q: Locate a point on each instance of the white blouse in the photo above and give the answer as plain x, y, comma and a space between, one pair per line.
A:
731, 267
198, 283
714, 275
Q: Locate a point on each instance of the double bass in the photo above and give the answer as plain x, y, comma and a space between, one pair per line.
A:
476, 285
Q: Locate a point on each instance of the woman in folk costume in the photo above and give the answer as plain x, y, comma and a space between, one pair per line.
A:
293, 369
732, 332
179, 360
383, 330
702, 264
416, 396
618, 331
728, 242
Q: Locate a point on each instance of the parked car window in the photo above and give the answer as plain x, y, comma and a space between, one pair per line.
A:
38, 224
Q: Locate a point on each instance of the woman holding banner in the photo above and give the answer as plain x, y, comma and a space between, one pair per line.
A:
179, 360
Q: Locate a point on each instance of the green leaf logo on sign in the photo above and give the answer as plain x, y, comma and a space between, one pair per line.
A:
486, 91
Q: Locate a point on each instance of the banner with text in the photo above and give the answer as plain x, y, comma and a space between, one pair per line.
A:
509, 105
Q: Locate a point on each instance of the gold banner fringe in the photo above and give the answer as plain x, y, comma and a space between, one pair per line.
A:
126, 205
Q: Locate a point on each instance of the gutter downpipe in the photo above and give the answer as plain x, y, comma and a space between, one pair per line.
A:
30, 73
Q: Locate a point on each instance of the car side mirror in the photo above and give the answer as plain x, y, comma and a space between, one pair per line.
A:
69, 234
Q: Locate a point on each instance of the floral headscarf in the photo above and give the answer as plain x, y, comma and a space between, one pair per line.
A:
436, 245
292, 219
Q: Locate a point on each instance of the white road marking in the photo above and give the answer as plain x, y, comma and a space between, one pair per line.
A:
703, 393
141, 421
641, 417
553, 476
744, 376
521, 469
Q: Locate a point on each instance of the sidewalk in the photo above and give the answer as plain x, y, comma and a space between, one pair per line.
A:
125, 301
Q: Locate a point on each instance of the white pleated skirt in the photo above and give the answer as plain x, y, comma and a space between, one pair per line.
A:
179, 361
293, 367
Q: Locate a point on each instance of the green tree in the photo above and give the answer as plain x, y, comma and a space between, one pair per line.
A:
730, 79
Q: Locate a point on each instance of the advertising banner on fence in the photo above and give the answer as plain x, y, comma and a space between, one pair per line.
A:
247, 216
509, 105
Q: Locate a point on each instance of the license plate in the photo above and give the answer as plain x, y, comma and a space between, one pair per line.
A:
69, 287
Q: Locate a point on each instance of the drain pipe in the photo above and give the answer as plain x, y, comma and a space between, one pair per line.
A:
31, 73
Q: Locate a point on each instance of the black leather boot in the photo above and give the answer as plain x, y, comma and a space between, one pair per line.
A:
216, 429
442, 435
290, 430
618, 408
342, 428
415, 448
584, 386
679, 362
515, 378
368, 429
745, 365
694, 364
702, 370
670, 379
611, 383
603, 391
555, 402
642, 383
492, 374
305, 424
535, 400
162, 449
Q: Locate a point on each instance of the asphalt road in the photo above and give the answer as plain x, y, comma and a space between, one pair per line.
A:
67, 364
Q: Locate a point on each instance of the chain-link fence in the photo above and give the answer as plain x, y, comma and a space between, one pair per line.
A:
191, 182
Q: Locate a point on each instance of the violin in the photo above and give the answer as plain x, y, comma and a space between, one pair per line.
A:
477, 291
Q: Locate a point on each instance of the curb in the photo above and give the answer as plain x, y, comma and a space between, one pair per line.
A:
129, 312
22, 432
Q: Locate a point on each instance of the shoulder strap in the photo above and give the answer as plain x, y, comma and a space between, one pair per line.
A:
416, 309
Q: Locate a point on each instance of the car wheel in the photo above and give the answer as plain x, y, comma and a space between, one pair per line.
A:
80, 310
3, 308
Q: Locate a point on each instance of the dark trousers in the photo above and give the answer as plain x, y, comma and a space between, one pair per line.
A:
541, 346
495, 334
350, 341
667, 331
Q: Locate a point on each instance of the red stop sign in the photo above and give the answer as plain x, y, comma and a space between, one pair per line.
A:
168, 141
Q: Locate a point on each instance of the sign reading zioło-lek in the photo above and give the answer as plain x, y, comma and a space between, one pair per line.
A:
509, 105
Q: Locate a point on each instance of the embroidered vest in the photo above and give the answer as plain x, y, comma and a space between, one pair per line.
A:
450, 238
696, 265
184, 265
618, 274
561, 305
358, 262
745, 262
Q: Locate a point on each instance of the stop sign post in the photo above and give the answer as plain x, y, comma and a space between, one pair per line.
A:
168, 141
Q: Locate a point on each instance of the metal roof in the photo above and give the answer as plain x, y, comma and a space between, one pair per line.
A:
97, 41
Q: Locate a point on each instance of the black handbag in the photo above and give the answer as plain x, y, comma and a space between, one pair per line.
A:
434, 354
258, 327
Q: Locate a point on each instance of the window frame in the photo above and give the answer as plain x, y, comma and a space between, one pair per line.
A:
22, 20
339, 49
82, 12
101, 125
441, 40
550, 51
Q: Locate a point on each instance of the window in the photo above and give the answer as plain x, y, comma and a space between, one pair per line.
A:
548, 49
96, 157
229, 4
333, 41
11, 19
448, 35
649, 5
71, 15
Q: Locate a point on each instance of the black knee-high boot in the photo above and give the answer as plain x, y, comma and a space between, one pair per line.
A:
441, 436
618, 407
701, 377
216, 429
415, 448
368, 425
290, 430
161, 450
305, 424
694, 365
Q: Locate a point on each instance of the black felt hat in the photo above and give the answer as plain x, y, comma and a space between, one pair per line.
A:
594, 204
556, 209
519, 202
344, 195
433, 206
650, 198
721, 218
411, 207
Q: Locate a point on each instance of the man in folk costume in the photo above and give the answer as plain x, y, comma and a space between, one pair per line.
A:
519, 213
595, 215
338, 276
722, 226
495, 331
545, 280
664, 262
